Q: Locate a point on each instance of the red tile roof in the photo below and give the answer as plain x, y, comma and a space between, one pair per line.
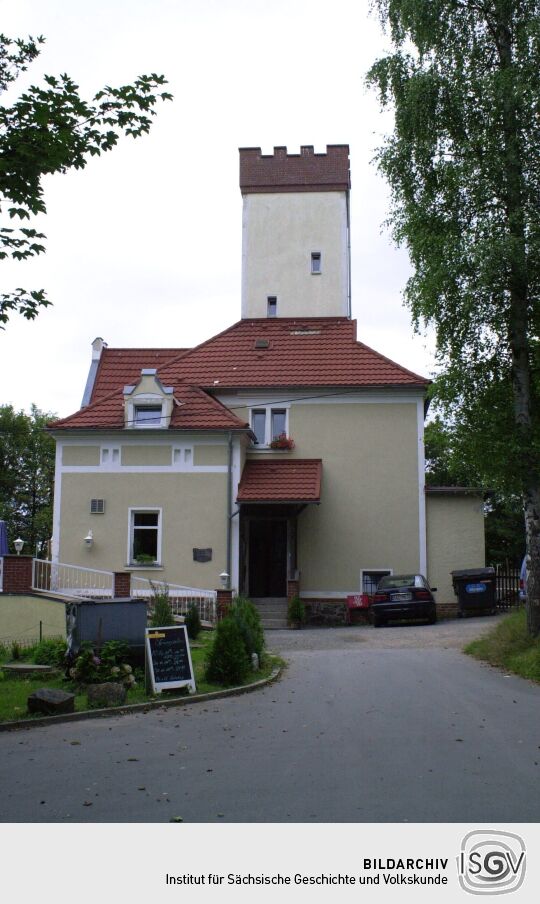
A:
293, 480
193, 410
119, 367
313, 351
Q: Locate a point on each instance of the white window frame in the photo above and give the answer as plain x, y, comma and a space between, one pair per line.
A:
133, 510
110, 456
182, 458
268, 409
146, 401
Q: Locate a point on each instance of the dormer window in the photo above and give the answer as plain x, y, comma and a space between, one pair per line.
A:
147, 415
149, 404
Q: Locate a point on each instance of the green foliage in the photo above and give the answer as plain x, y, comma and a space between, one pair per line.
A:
161, 607
463, 165
15, 650
91, 667
228, 662
247, 617
192, 622
296, 611
51, 651
51, 129
27, 456
510, 646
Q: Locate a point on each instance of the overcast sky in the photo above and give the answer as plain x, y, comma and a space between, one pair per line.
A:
144, 245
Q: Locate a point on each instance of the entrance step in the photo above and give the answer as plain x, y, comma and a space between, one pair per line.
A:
273, 612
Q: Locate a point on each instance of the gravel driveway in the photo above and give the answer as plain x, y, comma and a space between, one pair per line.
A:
452, 634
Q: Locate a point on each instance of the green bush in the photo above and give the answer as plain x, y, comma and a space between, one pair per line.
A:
296, 612
51, 651
192, 622
510, 646
91, 667
247, 617
161, 607
228, 662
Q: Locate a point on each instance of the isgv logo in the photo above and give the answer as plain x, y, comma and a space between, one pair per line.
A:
491, 863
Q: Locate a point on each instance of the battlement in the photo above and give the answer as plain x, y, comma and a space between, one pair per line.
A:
306, 171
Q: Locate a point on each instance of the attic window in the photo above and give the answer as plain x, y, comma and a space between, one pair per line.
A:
271, 306
316, 262
147, 415
262, 343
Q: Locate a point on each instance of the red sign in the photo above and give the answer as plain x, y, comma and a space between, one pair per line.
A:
358, 601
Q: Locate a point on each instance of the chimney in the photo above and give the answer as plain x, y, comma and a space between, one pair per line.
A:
97, 347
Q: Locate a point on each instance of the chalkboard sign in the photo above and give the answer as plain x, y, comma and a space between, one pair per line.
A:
169, 658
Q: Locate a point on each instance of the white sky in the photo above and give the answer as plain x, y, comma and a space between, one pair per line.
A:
144, 245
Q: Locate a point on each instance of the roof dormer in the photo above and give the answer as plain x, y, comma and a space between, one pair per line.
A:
149, 404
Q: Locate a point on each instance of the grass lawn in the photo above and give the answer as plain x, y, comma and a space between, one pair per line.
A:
14, 690
510, 647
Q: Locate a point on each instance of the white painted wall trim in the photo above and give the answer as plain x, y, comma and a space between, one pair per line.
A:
422, 529
235, 523
143, 469
284, 398
57, 503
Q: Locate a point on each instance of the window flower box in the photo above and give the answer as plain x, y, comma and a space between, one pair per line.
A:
282, 442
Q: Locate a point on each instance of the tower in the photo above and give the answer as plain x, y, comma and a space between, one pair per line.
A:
295, 232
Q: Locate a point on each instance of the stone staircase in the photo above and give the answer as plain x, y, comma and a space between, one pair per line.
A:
273, 611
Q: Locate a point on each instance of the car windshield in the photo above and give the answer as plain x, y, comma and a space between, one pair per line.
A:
402, 580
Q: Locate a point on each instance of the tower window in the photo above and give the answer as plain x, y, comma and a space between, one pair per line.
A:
316, 262
271, 306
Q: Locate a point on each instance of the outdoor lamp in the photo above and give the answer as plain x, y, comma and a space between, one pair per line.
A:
18, 544
224, 578
89, 539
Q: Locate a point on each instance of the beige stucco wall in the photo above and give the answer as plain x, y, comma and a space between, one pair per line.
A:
20, 617
80, 455
146, 455
279, 233
194, 515
368, 516
455, 539
210, 455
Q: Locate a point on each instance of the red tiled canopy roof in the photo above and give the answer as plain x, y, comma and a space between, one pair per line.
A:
294, 480
300, 352
193, 409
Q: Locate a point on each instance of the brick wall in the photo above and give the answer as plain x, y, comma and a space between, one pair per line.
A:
17, 577
305, 171
223, 602
122, 585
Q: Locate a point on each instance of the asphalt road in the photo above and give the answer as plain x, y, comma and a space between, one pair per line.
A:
394, 725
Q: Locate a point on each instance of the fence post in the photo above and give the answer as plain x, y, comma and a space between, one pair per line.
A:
121, 585
17, 574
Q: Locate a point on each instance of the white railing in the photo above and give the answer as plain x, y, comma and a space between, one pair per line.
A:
72, 580
180, 598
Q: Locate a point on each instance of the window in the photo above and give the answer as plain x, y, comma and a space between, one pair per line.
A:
97, 506
271, 306
316, 262
147, 415
145, 536
268, 423
370, 579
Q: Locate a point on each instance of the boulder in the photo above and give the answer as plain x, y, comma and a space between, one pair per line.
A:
51, 701
111, 693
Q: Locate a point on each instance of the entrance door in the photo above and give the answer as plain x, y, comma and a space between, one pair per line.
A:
267, 557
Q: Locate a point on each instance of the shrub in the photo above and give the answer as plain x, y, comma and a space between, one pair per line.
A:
15, 650
228, 662
192, 622
296, 612
91, 668
161, 607
51, 651
247, 617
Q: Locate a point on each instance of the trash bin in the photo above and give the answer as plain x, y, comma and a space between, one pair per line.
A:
475, 590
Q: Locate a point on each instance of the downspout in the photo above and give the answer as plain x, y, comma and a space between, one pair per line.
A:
229, 508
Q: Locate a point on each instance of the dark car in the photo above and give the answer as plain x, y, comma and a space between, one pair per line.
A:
401, 596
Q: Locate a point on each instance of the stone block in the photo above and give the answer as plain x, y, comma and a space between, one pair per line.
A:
51, 701
111, 693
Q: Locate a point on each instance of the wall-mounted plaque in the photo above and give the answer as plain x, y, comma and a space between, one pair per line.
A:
202, 555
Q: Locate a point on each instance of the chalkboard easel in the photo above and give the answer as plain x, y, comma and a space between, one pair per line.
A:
168, 659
